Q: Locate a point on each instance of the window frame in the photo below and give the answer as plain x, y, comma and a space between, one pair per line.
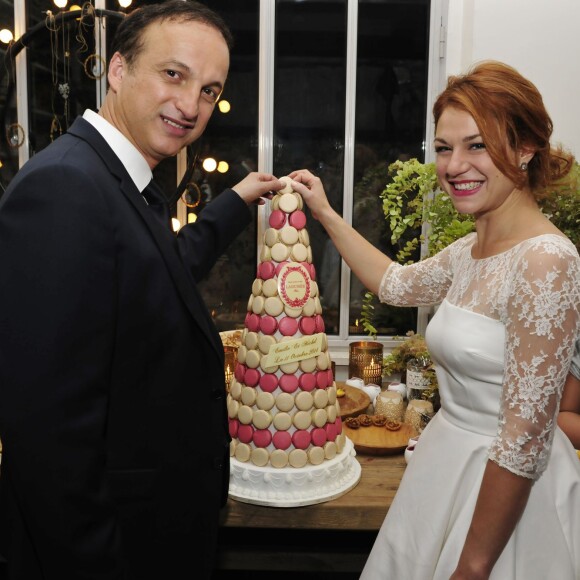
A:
267, 31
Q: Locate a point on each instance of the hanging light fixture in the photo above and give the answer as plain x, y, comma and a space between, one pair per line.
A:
60, 3
125, 3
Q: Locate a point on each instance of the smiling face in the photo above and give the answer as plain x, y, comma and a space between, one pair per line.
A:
465, 169
164, 99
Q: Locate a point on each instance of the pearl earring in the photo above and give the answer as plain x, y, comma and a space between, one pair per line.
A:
523, 166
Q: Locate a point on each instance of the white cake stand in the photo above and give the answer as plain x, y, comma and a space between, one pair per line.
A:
294, 487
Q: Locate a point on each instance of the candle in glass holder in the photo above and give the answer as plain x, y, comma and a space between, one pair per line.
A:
418, 413
365, 361
390, 404
230, 358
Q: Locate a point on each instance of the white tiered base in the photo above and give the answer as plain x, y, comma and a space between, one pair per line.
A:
292, 487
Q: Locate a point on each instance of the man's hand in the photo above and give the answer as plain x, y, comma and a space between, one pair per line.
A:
256, 186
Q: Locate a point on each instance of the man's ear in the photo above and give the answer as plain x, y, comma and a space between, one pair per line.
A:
116, 71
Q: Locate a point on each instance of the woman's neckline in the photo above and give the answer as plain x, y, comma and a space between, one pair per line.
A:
514, 246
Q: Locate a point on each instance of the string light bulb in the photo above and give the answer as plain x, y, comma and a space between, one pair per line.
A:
209, 164
125, 3
223, 167
6, 36
60, 3
224, 106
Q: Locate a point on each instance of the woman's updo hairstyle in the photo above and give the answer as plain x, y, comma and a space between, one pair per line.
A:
510, 115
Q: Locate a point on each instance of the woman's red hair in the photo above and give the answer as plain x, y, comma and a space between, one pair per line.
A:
510, 114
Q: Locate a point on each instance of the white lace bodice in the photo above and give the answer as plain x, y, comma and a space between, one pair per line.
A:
533, 290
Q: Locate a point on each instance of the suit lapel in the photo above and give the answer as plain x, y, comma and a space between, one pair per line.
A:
163, 237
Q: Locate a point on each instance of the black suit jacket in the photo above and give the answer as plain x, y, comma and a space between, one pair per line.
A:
112, 400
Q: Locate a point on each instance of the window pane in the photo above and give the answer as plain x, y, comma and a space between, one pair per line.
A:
60, 86
232, 137
392, 64
309, 96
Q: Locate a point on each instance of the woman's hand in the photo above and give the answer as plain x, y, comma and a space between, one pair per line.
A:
312, 191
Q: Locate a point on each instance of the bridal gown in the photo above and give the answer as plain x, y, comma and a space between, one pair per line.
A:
502, 325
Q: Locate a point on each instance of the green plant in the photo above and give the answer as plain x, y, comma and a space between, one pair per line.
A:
562, 205
412, 347
366, 315
413, 198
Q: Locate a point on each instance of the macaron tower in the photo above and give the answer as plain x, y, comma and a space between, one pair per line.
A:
288, 447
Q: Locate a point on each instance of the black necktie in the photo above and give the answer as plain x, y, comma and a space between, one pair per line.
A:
157, 203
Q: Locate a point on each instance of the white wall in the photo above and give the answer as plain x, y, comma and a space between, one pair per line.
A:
540, 38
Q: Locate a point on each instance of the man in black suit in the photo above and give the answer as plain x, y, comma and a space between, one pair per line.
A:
112, 404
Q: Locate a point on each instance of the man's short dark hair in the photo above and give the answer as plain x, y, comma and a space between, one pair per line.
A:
128, 40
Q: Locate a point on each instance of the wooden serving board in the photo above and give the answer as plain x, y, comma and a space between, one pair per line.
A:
354, 402
375, 440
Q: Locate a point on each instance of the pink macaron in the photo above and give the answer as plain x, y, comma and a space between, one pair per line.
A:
252, 377
331, 431
233, 426
252, 322
319, 323
307, 325
240, 372
297, 219
307, 381
322, 379
266, 270
301, 439
288, 326
262, 438
319, 436
277, 219
245, 433
288, 383
268, 324
268, 382
282, 440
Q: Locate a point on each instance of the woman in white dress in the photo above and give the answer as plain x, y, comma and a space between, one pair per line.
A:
493, 488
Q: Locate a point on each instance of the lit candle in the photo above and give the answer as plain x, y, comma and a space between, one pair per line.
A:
372, 372
229, 375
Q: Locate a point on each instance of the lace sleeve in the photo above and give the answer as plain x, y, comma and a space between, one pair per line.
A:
542, 320
423, 283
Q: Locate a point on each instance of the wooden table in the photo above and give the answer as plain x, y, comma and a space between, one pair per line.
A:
334, 536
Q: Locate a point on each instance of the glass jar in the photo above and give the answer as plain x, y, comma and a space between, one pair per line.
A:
419, 377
